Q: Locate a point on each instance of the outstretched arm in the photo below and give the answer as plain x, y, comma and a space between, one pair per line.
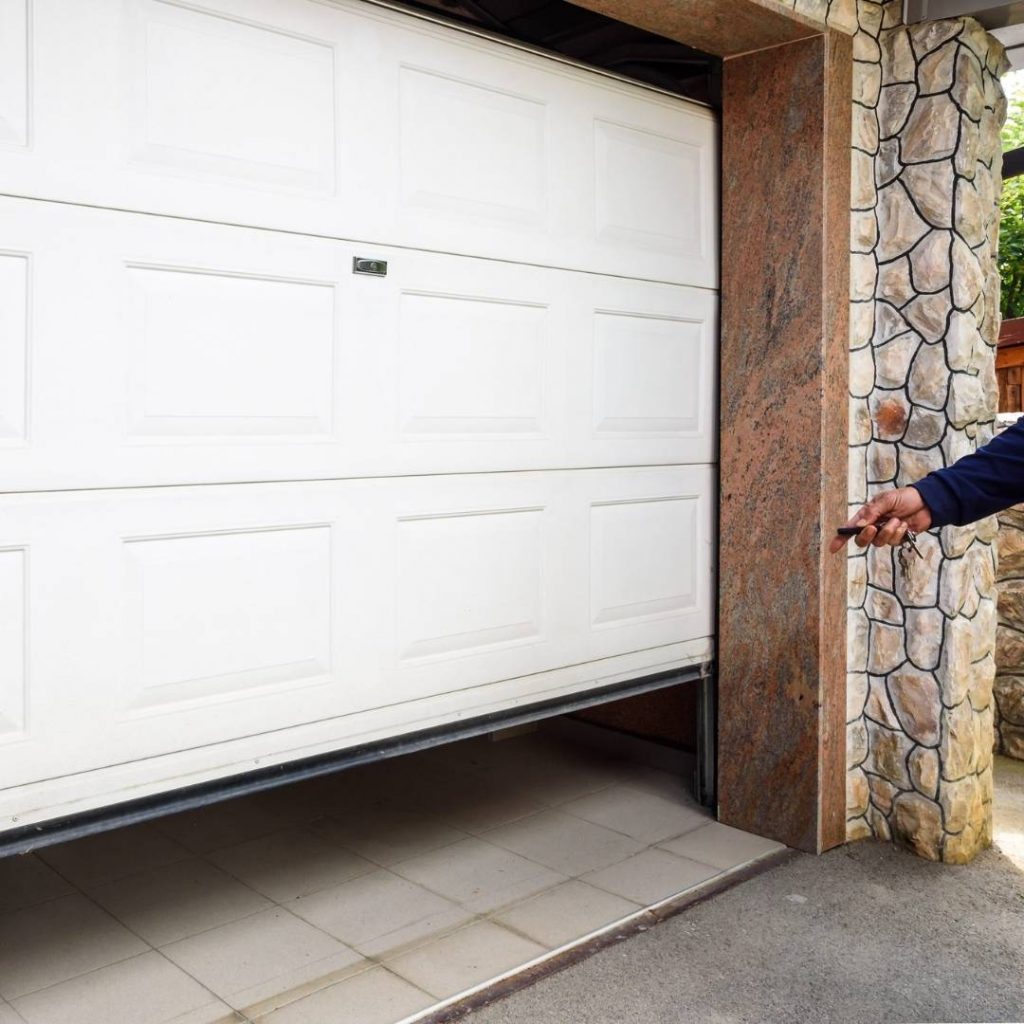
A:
987, 481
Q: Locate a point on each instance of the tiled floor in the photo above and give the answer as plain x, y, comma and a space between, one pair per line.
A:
364, 898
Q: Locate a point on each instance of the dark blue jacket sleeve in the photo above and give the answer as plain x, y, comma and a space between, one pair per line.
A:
987, 481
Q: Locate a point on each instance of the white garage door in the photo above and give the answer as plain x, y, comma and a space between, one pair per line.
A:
257, 506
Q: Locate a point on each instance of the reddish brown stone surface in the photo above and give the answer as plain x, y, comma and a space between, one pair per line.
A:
891, 418
668, 716
721, 27
785, 279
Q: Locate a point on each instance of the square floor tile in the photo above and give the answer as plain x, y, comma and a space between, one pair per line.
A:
25, 880
721, 846
479, 806
8, 1015
177, 900
651, 876
554, 769
146, 989
337, 793
227, 823
289, 864
372, 997
641, 815
478, 875
296, 803
112, 855
549, 787
671, 785
52, 942
465, 958
466, 802
260, 957
538, 754
565, 913
456, 794
379, 912
387, 835
412, 780
564, 843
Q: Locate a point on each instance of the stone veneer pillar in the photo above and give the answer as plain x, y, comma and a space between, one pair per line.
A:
924, 323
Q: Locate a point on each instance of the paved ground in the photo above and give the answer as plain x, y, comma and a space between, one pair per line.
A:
865, 934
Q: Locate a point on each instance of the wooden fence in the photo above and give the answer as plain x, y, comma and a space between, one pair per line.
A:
1010, 365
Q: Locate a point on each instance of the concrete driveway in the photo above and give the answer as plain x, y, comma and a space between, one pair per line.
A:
867, 933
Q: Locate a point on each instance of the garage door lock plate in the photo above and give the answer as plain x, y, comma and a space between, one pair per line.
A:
375, 268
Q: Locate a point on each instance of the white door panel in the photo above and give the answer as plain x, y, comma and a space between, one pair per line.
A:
146, 350
145, 622
348, 120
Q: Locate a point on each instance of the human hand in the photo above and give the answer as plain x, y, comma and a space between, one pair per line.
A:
899, 510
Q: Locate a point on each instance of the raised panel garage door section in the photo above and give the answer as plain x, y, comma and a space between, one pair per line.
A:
257, 507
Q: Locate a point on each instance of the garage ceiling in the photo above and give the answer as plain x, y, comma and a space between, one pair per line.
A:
593, 39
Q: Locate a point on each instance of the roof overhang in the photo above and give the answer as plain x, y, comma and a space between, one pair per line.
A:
1005, 21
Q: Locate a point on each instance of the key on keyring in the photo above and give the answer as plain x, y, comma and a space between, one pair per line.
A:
908, 541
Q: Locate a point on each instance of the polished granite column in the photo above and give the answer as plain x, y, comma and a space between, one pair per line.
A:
784, 342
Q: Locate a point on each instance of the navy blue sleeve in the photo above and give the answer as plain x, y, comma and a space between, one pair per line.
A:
987, 481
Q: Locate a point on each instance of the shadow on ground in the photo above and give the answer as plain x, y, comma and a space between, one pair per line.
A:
867, 933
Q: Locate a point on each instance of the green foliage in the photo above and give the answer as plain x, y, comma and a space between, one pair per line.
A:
1011, 209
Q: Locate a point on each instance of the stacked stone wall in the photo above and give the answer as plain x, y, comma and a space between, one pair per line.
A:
924, 323
1009, 685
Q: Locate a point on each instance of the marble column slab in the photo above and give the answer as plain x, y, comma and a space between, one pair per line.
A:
786, 129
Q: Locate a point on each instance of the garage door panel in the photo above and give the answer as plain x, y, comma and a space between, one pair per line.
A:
219, 354
168, 621
14, 347
496, 556
14, 72
166, 352
13, 641
653, 369
643, 555
474, 367
470, 584
218, 615
161, 620
663, 217
354, 122
646, 374
216, 96
649, 554
501, 176
161, 352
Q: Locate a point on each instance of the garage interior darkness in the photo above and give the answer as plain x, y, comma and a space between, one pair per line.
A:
595, 40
